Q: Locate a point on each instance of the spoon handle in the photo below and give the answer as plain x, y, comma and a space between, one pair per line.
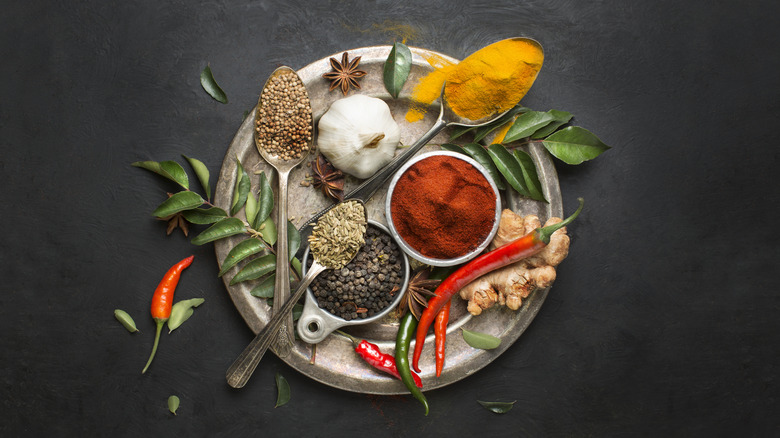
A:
283, 342
246, 363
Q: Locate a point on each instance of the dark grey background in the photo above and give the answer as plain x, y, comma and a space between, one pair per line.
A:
663, 321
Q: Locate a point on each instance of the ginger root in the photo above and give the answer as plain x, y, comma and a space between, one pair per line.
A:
511, 284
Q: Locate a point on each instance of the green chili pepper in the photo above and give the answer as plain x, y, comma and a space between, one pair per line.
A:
406, 331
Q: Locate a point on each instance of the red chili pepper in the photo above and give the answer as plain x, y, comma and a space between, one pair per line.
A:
514, 251
374, 357
440, 333
162, 300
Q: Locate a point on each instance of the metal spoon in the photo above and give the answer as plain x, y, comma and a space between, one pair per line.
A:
246, 363
284, 340
447, 117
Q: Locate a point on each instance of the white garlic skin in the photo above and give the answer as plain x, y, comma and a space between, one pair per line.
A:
358, 135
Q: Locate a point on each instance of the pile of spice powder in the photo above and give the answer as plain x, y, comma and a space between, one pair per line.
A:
365, 286
443, 207
284, 122
338, 234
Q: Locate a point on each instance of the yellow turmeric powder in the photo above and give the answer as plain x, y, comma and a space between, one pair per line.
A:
489, 81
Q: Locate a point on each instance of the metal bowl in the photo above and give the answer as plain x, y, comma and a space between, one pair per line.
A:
316, 323
415, 253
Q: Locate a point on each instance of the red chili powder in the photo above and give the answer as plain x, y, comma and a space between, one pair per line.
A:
443, 207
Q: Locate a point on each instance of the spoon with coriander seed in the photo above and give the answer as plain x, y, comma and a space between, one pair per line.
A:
283, 136
335, 241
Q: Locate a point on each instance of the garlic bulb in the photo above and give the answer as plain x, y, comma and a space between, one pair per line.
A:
358, 135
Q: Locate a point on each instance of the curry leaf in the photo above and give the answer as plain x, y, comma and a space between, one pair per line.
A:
181, 311
251, 208
573, 145
241, 251
482, 341
530, 175
296, 264
203, 216
268, 230
126, 320
526, 124
168, 169
560, 118
293, 239
481, 156
210, 85
178, 202
453, 148
255, 269
282, 390
265, 289
226, 227
460, 131
497, 407
241, 190
202, 172
265, 201
173, 404
508, 166
397, 67
503, 120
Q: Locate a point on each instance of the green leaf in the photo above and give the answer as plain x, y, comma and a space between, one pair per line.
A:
526, 124
497, 407
481, 156
573, 145
173, 404
508, 166
453, 148
397, 67
530, 175
202, 172
255, 269
296, 264
250, 209
126, 320
203, 216
265, 289
181, 312
297, 311
168, 169
226, 227
560, 118
265, 201
459, 131
268, 230
293, 239
241, 251
506, 118
282, 390
241, 190
210, 85
178, 202
482, 341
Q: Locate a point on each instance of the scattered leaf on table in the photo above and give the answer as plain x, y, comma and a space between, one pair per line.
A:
241, 251
265, 201
255, 269
573, 145
530, 175
483, 341
168, 169
265, 289
497, 407
241, 191
226, 227
268, 230
282, 390
181, 311
178, 202
209, 84
396, 69
202, 172
560, 118
203, 216
508, 166
173, 404
481, 156
126, 320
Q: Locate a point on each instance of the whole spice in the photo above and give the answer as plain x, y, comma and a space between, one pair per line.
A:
283, 123
344, 74
162, 301
516, 250
367, 284
126, 320
417, 293
328, 179
402, 342
443, 207
440, 336
373, 356
490, 80
338, 235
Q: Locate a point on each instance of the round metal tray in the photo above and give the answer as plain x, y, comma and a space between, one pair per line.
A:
336, 364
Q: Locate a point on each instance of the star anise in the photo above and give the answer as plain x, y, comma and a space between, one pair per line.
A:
420, 289
174, 221
328, 179
345, 73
